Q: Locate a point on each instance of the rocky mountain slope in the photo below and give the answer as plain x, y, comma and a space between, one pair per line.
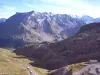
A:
29, 27
35, 26
81, 47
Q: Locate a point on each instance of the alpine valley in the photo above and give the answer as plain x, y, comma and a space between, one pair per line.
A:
44, 43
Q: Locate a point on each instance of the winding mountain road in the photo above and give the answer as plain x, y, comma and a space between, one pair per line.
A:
93, 69
31, 72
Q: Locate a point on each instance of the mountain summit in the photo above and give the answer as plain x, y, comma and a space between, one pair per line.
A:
35, 26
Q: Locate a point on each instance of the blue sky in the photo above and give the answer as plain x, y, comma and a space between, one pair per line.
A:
73, 7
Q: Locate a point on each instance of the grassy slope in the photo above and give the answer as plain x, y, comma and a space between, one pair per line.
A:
11, 63
77, 67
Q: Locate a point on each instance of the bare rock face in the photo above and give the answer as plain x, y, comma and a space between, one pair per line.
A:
35, 26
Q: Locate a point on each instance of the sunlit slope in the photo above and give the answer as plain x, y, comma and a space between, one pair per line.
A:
10, 63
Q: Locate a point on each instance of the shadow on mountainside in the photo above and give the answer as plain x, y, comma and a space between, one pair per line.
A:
85, 45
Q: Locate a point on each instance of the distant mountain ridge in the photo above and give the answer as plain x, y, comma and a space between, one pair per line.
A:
87, 19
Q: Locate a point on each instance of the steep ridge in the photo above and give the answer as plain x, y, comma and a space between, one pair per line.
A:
37, 27
81, 47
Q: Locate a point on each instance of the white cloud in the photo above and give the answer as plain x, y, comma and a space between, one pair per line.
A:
74, 7
9, 8
6, 14
28, 5
7, 11
66, 2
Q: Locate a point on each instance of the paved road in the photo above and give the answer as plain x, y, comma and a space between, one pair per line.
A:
93, 69
31, 72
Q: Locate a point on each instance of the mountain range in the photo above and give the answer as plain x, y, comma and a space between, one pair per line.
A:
29, 27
